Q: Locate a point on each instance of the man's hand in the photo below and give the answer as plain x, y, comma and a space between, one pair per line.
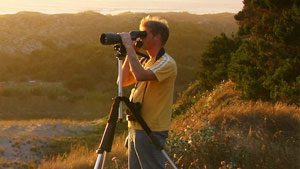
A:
126, 40
139, 73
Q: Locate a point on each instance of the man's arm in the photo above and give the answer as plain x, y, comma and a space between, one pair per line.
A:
128, 78
138, 72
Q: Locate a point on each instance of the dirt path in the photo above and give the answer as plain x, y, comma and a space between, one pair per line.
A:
20, 140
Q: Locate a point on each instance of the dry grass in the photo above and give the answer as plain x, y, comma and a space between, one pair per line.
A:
221, 126
81, 157
16, 164
197, 114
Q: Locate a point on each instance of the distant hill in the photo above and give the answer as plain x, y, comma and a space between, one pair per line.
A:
25, 32
57, 47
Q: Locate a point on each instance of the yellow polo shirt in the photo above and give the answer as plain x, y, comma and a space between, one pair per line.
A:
158, 99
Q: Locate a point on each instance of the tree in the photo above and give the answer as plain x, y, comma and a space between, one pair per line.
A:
264, 59
215, 60
267, 65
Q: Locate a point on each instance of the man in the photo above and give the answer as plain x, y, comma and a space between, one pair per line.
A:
154, 89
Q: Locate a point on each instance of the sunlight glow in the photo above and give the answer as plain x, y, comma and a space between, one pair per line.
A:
118, 6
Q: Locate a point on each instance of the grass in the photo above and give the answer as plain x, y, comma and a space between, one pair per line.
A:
81, 157
79, 152
16, 164
222, 127
38, 100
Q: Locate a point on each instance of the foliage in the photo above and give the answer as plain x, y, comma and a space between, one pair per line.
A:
215, 61
264, 58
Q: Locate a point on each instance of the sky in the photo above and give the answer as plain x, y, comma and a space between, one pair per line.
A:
118, 6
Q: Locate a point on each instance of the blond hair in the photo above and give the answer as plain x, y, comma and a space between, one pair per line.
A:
157, 25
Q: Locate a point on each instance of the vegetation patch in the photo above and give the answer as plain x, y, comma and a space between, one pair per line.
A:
221, 128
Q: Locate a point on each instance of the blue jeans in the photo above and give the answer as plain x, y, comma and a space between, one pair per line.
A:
142, 154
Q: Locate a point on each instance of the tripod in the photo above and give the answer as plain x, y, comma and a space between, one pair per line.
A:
116, 115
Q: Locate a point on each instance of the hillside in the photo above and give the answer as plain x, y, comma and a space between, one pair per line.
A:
220, 129
55, 47
53, 66
25, 32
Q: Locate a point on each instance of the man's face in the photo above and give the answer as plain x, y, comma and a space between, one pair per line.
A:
149, 40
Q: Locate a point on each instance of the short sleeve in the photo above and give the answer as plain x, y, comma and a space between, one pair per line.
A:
164, 68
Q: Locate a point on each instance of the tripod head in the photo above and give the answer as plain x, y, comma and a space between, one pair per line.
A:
120, 51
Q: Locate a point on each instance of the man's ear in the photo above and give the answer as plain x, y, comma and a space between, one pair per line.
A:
158, 36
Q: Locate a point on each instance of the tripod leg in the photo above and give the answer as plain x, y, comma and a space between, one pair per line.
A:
108, 135
168, 158
98, 161
103, 161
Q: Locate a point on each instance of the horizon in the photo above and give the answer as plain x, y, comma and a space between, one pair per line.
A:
115, 7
